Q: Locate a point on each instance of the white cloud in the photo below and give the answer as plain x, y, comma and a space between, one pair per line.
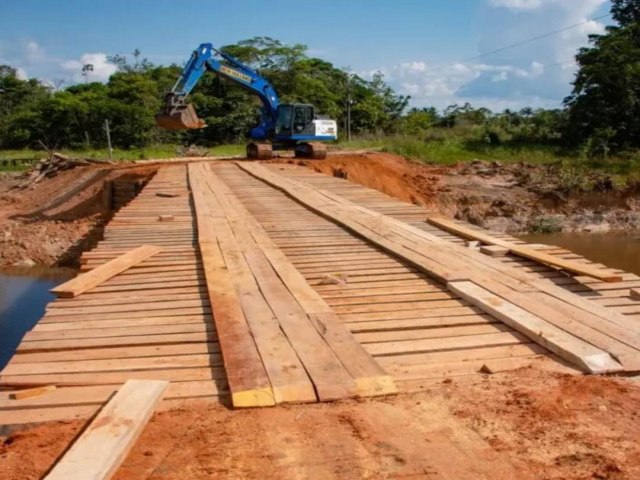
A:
21, 74
33, 51
101, 72
517, 4
537, 74
443, 85
30, 56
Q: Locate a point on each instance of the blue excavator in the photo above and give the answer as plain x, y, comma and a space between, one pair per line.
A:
281, 126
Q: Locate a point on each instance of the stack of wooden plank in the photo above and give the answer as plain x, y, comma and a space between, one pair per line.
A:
279, 340
590, 336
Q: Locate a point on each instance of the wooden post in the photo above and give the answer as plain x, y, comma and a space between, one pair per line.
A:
106, 127
107, 195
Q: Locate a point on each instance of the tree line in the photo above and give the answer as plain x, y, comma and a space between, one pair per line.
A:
601, 116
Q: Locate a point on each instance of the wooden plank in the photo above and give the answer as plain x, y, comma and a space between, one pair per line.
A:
105, 443
370, 378
494, 250
117, 352
634, 293
99, 394
31, 392
248, 380
181, 374
331, 379
523, 250
596, 325
287, 375
427, 345
565, 345
98, 275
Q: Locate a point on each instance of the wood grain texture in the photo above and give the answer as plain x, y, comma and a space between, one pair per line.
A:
98, 275
103, 446
522, 250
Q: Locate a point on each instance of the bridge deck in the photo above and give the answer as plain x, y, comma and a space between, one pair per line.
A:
156, 320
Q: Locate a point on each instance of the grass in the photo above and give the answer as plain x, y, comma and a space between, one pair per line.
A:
151, 152
450, 150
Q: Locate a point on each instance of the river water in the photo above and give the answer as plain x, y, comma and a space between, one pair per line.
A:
617, 250
23, 297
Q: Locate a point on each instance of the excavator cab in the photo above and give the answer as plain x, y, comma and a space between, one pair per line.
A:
294, 119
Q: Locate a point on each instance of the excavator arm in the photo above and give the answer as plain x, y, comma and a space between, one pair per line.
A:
178, 114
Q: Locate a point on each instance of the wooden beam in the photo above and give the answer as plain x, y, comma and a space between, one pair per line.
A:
105, 443
494, 250
565, 345
523, 250
104, 272
634, 293
247, 377
448, 262
370, 379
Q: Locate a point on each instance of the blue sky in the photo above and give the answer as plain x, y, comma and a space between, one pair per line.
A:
424, 47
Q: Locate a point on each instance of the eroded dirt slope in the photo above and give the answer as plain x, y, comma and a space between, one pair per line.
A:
510, 197
51, 222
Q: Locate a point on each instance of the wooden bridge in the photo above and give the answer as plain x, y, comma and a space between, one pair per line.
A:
275, 284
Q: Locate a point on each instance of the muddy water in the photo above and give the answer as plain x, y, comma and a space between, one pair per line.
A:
23, 297
617, 250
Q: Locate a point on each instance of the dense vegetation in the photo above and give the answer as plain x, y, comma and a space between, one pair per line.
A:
601, 117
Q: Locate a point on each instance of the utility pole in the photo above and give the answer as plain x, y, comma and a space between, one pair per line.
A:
349, 102
349, 115
106, 127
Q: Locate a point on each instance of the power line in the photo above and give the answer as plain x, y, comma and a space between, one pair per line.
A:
533, 39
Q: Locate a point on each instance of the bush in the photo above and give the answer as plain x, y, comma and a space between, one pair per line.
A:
545, 225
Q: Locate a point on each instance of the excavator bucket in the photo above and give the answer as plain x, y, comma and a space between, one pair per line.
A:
182, 117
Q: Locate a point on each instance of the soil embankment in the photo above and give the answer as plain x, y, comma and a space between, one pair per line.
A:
52, 222
512, 198
527, 424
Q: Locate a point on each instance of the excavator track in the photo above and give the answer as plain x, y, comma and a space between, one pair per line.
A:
259, 151
312, 150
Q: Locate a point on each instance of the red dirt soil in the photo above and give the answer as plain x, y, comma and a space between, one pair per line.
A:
507, 197
47, 223
526, 424
391, 174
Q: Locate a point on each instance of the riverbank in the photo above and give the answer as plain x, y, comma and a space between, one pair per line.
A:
51, 223
509, 197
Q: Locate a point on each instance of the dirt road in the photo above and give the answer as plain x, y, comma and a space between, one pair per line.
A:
525, 424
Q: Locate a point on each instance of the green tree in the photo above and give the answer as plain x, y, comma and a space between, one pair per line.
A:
605, 103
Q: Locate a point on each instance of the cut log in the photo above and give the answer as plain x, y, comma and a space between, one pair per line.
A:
105, 443
104, 272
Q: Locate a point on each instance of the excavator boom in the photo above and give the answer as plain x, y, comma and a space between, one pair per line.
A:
178, 114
